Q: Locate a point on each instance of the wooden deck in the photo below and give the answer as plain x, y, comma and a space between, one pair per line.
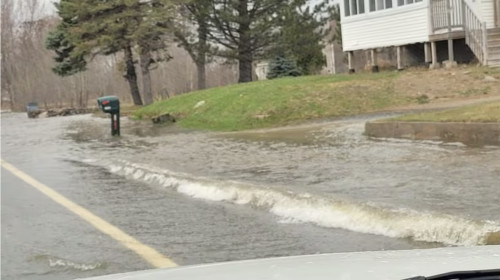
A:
459, 34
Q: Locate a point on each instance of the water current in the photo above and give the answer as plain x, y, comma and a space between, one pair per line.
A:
326, 174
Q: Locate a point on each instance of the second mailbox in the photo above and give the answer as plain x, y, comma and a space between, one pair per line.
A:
109, 104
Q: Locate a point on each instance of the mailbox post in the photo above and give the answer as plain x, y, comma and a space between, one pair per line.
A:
111, 105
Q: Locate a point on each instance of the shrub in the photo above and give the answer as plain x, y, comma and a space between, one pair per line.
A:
282, 67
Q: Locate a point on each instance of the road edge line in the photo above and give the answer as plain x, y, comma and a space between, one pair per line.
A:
149, 254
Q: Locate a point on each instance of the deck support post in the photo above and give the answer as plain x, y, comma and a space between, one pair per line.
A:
427, 53
451, 55
374, 65
450, 63
435, 64
399, 58
350, 62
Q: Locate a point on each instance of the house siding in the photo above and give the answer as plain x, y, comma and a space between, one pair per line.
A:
488, 13
391, 27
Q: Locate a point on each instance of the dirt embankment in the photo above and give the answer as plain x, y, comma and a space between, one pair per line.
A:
448, 88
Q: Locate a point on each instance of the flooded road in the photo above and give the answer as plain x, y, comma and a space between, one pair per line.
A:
201, 197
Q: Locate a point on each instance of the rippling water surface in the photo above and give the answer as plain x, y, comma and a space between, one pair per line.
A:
327, 174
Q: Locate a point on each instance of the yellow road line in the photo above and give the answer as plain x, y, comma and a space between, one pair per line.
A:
147, 253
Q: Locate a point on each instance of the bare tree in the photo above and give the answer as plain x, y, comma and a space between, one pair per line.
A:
7, 52
27, 76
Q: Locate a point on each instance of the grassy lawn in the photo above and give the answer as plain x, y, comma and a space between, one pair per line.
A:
285, 101
279, 102
478, 113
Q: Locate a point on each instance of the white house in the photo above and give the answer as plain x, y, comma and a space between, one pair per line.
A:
372, 24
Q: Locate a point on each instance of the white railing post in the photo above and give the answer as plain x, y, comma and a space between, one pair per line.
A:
451, 55
497, 13
431, 14
476, 33
485, 43
462, 4
464, 23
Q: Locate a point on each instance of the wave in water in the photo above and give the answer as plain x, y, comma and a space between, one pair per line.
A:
325, 212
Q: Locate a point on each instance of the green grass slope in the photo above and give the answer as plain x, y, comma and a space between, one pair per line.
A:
285, 101
279, 102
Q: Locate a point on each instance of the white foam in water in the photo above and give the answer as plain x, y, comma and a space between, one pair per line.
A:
138, 174
69, 264
290, 207
115, 168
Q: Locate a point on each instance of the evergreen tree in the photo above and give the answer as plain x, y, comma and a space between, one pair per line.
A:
246, 28
66, 64
282, 67
151, 37
193, 36
96, 27
301, 36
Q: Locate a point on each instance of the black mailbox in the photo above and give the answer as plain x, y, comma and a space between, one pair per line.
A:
111, 105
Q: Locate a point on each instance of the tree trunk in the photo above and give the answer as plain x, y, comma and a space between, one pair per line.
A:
245, 55
131, 76
80, 100
200, 67
245, 67
86, 99
202, 53
82, 90
11, 97
147, 91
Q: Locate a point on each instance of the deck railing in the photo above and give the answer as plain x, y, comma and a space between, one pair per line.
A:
446, 14
456, 15
475, 34
497, 13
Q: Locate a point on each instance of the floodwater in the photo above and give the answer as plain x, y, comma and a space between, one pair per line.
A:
299, 190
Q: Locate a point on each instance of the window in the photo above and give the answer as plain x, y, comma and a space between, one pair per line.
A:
347, 8
406, 2
376, 5
362, 6
354, 7
372, 6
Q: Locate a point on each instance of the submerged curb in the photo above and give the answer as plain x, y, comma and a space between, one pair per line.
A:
471, 134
